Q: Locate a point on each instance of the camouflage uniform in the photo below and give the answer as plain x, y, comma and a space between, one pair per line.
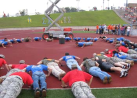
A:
129, 55
11, 72
82, 90
56, 71
131, 51
11, 87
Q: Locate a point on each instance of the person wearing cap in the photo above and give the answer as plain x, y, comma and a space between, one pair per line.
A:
70, 60
124, 49
12, 85
38, 75
92, 68
15, 68
109, 53
83, 44
3, 62
77, 81
53, 64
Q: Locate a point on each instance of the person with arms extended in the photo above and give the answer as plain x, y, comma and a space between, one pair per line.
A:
70, 60
12, 85
77, 81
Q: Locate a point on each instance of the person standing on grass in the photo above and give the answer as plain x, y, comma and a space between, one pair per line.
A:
92, 68
70, 60
12, 85
77, 81
3, 62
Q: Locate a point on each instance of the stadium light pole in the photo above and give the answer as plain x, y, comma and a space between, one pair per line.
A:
108, 4
126, 3
103, 4
78, 4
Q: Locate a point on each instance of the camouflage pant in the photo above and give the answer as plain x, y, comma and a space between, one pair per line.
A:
11, 87
10, 72
82, 90
131, 51
56, 71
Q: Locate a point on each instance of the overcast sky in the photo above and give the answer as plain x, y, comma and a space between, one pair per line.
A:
13, 6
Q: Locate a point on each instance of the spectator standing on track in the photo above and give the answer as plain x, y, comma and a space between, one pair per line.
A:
77, 81
128, 30
97, 29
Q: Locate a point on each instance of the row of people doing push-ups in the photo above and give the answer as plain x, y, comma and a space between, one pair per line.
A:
121, 40
6, 41
75, 78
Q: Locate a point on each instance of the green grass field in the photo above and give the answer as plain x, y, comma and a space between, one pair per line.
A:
99, 93
87, 18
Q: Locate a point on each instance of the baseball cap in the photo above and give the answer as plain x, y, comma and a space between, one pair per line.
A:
74, 66
21, 61
1, 55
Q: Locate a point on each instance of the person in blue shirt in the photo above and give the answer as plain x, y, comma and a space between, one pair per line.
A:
83, 44
87, 39
121, 56
2, 44
39, 75
67, 38
70, 60
37, 38
77, 38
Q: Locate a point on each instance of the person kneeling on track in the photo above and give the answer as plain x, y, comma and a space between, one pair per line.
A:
83, 44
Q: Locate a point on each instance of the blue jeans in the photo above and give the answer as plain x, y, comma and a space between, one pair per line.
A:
119, 32
128, 32
72, 62
129, 58
97, 31
96, 71
39, 76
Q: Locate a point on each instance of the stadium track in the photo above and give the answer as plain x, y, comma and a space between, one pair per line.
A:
32, 52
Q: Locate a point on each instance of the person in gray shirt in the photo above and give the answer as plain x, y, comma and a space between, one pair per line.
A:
91, 67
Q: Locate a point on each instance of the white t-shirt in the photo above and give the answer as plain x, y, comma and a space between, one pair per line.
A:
128, 28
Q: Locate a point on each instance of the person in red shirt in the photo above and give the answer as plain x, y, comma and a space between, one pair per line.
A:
109, 53
20, 66
16, 68
12, 85
3, 62
77, 81
124, 49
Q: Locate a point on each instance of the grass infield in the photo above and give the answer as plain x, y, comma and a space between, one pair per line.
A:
99, 93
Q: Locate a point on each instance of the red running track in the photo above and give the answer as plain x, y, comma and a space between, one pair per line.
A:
32, 52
